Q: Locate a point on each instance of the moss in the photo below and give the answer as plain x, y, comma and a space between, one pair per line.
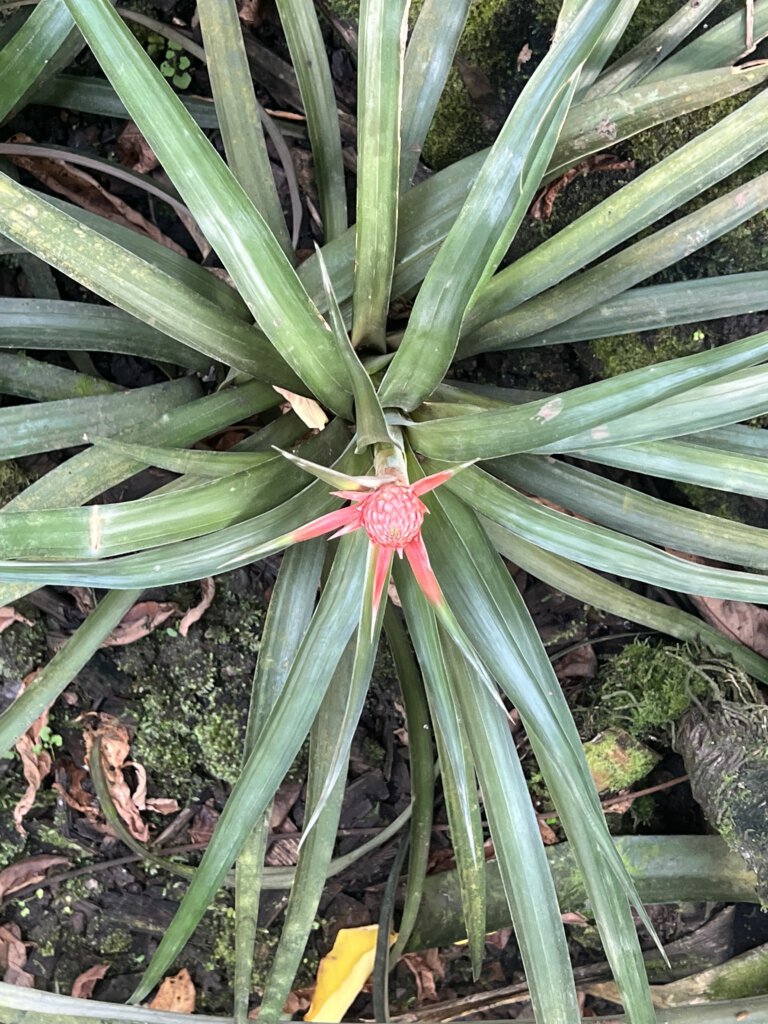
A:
744, 976
649, 14
645, 689
221, 960
13, 480
373, 753
11, 842
192, 694
617, 760
117, 942
52, 835
743, 248
349, 9
495, 32
725, 754
627, 352
23, 648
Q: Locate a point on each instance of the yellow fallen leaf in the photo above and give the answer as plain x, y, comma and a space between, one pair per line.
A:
343, 972
306, 409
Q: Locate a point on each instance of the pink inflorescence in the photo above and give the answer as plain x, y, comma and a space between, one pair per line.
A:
392, 515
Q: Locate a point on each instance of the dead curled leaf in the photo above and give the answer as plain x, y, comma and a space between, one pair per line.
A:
35, 761
307, 409
133, 150
9, 615
176, 994
542, 206
85, 191
13, 957
146, 616
745, 623
203, 824
75, 795
296, 1002
547, 833
425, 967
27, 872
579, 663
250, 13
571, 917
208, 588
84, 984
162, 805
115, 747
139, 621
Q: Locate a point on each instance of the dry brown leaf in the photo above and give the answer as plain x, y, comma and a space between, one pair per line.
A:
580, 663
425, 967
297, 1001
140, 792
35, 761
547, 833
140, 621
222, 275
133, 150
77, 796
203, 824
285, 798
83, 598
176, 994
283, 853
208, 588
88, 809
84, 984
9, 615
85, 191
306, 409
524, 55
541, 208
115, 747
27, 872
13, 957
249, 12
744, 622
163, 805
571, 917
441, 860
499, 939
619, 804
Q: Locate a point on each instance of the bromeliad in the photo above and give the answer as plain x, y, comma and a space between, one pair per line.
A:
388, 508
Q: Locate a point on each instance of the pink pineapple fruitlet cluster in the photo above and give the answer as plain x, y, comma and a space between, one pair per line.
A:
391, 512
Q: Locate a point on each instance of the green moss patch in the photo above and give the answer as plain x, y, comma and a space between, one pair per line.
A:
645, 689
617, 760
191, 694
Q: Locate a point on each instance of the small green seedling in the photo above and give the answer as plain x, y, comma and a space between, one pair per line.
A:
175, 63
48, 739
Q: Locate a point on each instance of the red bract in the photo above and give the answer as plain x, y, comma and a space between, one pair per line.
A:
391, 513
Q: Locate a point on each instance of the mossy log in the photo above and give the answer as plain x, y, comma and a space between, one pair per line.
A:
725, 750
665, 869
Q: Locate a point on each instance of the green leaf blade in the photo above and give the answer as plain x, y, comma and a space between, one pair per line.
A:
280, 738
252, 255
